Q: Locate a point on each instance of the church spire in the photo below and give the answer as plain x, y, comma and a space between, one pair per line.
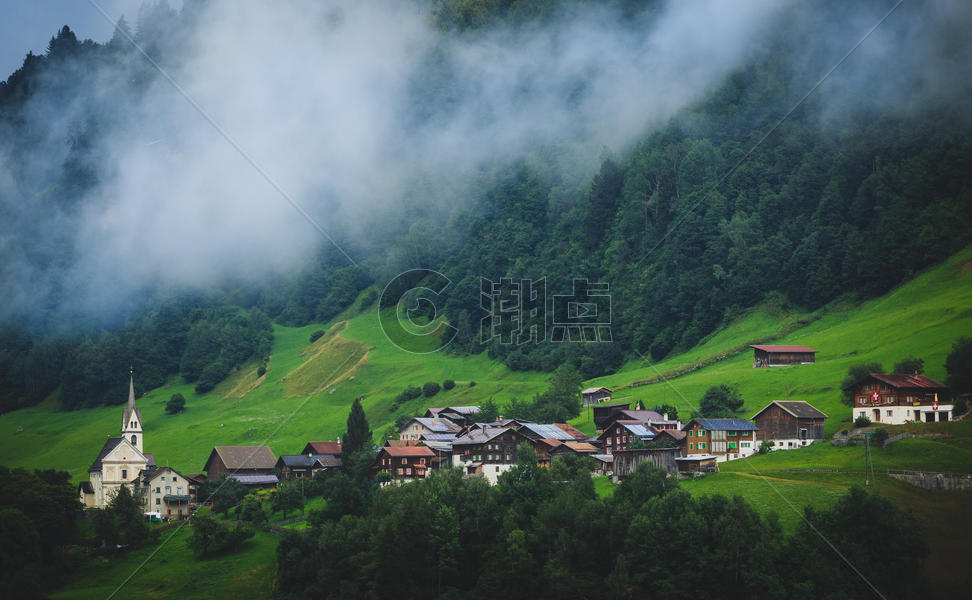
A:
132, 415
131, 389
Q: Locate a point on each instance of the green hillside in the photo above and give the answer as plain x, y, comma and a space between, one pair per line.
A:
308, 388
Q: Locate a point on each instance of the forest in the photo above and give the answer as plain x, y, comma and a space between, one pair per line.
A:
545, 533
713, 212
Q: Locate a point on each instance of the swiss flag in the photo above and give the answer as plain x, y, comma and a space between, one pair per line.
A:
935, 405
876, 396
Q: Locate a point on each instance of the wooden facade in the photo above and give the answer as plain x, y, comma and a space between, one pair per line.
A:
240, 460
627, 461
602, 413
774, 356
592, 396
896, 399
405, 463
791, 423
726, 439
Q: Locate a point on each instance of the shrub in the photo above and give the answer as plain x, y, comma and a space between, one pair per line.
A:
431, 388
209, 537
879, 437
764, 446
316, 335
862, 421
262, 371
176, 404
448, 384
960, 406
472, 384
410, 393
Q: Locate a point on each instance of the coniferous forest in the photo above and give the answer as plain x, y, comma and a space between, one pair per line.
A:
717, 209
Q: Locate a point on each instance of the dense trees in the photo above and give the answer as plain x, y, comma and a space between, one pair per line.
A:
176, 404
720, 401
958, 365
538, 532
211, 537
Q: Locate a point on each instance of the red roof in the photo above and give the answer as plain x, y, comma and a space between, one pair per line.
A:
782, 348
325, 447
908, 381
573, 431
404, 451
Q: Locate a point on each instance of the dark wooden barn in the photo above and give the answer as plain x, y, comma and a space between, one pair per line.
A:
775, 356
789, 424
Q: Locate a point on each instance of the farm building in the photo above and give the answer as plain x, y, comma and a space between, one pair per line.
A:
789, 424
602, 413
775, 356
595, 395
697, 463
404, 463
251, 465
896, 399
627, 461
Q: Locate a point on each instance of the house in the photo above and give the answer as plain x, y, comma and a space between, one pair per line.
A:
672, 438
621, 434
539, 431
577, 434
294, 466
697, 464
789, 424
726, 439
167, 492
595, 395
896, 399
488, 452
332, 448
602, 412
404, 463
460, 415
573, 449
627, 461
652, 418
120, 461
603, 464
416, 427
775, 356
251, 465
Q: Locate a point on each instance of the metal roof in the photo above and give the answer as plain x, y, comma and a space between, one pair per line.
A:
438, 437
726, 424
436, 425
256, 479
596, 389
403, 451
548, 430
782, 348
908, 381
479, 436
797, 408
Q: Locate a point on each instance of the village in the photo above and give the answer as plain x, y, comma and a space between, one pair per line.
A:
452, 437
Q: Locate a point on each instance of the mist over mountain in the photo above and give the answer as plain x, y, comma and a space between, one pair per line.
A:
526, 139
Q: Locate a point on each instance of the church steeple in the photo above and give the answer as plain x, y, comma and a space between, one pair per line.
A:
132, 416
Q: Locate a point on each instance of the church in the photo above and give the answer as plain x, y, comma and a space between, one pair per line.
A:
121, 460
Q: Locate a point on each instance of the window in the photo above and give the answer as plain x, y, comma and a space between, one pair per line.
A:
701, 445
124, 473
168, 490
745, 444
890, 413
158, 490
690, 433
422, 461
179, 491
691, 446
732, 433
400, 471
408, 471
404, 461
732, 445
163, 478
158, 501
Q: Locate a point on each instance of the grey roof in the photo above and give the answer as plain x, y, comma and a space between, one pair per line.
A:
245, 457
436, 425
464, 410
302, 461
437, 437
797, 408
548, 431
110, 444
595, 389
639, 429
329, 461
641, 415
150, 459
692, 457
86, 487
479, 436
256, 479
726, 424
439, 446
603, 457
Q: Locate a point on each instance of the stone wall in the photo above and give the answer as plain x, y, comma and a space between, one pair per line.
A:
934, 481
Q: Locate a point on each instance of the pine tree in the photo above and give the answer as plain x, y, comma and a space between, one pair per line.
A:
358, 436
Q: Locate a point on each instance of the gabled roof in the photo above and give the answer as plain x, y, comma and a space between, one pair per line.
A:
547, 430
480, 436
85, 487
612, 405
150, 474
596, 389
772, 349
577, 434
438, 437
110, 444
581, 447
243, 457
636, 428
296, 461
149, 460
797, 408
330, 462
725, 424
256, 479
463, 410
434, 425
405, 451
674, 433
908, 381
333, 448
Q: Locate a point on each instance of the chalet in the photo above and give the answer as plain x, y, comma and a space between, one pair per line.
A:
621, 434
627, 461
595, 395
672, 438
577, 434
251, 465
539, 431
642, 416
404, 463
603, 412
726, 439
488, 452
294, 466
573, 449
897, 399
318, 448
603, 464
415, 428
168, 492
775, 356
789, 424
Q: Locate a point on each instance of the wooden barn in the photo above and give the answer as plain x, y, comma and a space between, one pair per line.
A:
603, 413
776, 356
595, 395
789, 424
626, 461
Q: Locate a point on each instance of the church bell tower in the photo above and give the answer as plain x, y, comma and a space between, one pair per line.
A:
132, 417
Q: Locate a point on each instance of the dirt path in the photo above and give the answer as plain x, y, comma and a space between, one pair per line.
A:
825, 484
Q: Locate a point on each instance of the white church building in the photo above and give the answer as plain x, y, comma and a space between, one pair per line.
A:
121, 460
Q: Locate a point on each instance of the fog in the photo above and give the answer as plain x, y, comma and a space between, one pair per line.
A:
344, 106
